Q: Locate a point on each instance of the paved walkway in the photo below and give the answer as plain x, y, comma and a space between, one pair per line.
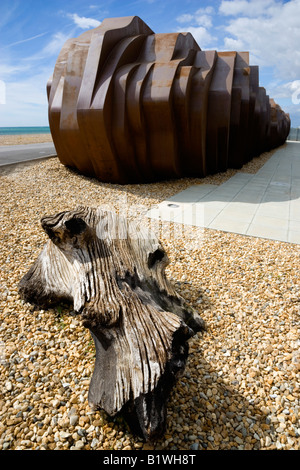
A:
265, 205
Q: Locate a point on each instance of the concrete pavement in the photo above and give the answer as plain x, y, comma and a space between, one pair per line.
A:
264, 205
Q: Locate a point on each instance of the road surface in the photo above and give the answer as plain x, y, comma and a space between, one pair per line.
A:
10, 154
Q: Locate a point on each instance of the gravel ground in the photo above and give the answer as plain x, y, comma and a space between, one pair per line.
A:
241, 385
25, 139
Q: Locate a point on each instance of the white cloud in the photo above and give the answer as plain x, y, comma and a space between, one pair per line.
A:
83, 22
206, 10
54, 45
231, 44
25, 81
201, 35
26, 40
251, 8
7, 70
2, 92
272, 37
201, 20
295, 88
26, 100
185, 18
198, 24
289, 90
204, 20
31, 91
202, 17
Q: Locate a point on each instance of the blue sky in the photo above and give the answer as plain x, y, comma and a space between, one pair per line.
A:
32, 33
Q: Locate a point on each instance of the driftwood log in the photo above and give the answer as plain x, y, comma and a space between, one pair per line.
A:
113, 271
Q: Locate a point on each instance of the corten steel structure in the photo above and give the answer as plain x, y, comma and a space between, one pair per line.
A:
127, 105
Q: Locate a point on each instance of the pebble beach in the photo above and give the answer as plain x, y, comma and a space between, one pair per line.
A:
25, 139
241, 387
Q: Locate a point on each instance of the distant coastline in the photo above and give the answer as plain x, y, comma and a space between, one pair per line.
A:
24, 130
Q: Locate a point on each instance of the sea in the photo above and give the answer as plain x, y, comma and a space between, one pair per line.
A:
24, 130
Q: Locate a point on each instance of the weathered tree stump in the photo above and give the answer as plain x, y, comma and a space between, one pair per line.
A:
113, 271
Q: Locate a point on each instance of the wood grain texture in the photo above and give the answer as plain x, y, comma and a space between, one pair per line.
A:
113, 271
